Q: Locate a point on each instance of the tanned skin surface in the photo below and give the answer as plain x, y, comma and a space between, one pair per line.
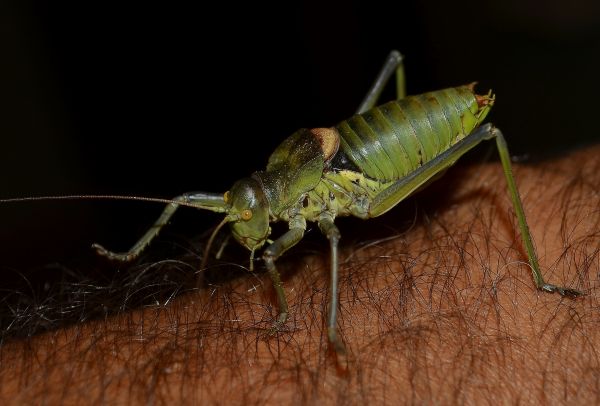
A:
443, 312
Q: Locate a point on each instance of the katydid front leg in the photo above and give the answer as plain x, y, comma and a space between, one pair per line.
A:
205, 201
270, 255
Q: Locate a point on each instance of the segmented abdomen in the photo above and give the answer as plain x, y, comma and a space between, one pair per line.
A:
392, 140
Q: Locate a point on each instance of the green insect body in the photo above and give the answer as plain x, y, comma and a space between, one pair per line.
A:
390, 141
362, 167
387, 143
373, 150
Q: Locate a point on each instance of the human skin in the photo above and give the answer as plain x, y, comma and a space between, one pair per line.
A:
444, 311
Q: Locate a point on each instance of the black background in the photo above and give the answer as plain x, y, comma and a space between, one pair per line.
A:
157, 99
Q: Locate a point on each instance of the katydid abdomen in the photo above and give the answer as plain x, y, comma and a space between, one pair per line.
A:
390, 141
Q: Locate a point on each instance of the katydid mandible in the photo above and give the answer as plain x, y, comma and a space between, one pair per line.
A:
361, 167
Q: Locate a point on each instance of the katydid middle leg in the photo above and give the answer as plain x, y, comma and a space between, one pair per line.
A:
333, 235
270, 255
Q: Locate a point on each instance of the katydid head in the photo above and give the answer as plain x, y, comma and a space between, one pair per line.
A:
248, 213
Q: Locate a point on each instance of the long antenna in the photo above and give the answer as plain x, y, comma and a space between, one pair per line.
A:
100, 197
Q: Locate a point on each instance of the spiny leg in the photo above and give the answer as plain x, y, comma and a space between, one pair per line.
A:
525, 234
392, 64
333, 234
404, 187
208, 201
270, 255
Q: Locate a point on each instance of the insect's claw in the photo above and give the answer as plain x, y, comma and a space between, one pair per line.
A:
568, 292
571, 292
276, 328
335, 342
100, 250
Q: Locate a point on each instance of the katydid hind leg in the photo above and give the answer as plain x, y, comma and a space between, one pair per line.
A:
525, 233
333, 235
270, 255
207, 201
404, 187
393, 64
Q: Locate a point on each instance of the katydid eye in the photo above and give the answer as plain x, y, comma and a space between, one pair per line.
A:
247, 214
226, 197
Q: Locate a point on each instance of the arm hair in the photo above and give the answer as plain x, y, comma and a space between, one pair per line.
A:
444, 311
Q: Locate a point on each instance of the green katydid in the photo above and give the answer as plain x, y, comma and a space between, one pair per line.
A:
361, 167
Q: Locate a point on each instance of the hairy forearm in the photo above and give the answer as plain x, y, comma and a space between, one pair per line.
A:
444, 312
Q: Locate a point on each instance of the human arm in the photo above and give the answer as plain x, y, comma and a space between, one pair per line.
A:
444, 311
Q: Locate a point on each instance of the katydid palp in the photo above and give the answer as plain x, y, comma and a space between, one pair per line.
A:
361, 167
